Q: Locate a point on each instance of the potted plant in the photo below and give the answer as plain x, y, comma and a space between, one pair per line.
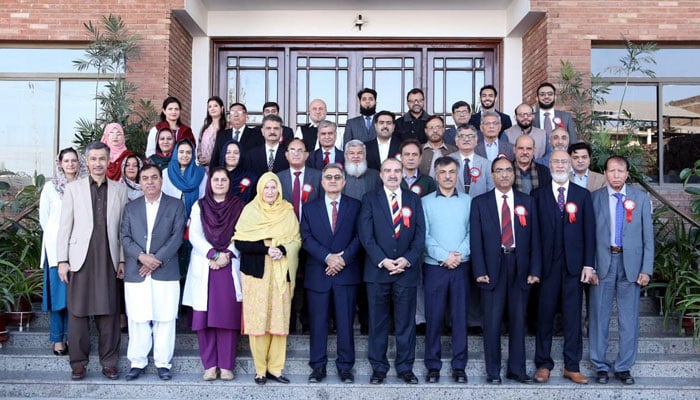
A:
688, 304
6, 303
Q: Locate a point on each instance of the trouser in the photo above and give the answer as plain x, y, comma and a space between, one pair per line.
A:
159, 335
269, 353
109, 338
217, 347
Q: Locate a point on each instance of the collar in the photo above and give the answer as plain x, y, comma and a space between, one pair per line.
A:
455, 193
442, 146
388, 192
611, 192
565, 185
156, 202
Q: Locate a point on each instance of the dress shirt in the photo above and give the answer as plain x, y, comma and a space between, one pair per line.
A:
383, 150
274, 152
151, 213
331, 154
388, 193
612, 204
301, 187
491, 150
300, 135
555, 191
551, 118
438, 152
580, 180
511, 205
410, 180
329, 209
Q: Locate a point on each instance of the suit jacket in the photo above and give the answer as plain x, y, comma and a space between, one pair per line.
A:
355, 128
249, 138
372, 149
579, 236
483, 183
309, 135
315, 159
319, 241
311, 177
257, 160
537, 134
485, 243
637, 235
166, 237
567, 119
427, 157
595, 181
424, 185
75, 229
505, 121
376, 232
504, 147
543, 176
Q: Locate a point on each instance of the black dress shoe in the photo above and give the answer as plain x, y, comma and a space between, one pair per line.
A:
420, 329
364, 329
110, 373
377, 377
433, 376
409, 377
493, 381
78, 373
475, 330
602, 377
280, 378
459, 376
260, 380
346, 376
134, 373
164, 374
317, 375
526, 379
625, 377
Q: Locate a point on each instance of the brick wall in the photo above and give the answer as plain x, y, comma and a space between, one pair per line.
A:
535, 51
180, 67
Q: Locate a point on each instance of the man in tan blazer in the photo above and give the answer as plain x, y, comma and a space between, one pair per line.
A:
580, 161
90, 262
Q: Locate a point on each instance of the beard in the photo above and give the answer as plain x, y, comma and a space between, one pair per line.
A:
546, 106
356, 169
560, 178
368, 111
524, 126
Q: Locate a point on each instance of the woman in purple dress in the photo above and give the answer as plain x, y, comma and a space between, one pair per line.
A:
213, 285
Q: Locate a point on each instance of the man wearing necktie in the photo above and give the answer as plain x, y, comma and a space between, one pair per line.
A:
327, 153
624, 263
362, 127
545, 114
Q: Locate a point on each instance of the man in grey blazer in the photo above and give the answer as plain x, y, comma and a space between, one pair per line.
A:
362, 126
90, 261
546, 99
624, 263
476, 179
491, 146
152, 231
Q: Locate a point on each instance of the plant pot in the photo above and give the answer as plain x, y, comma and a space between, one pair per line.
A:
688, 325
21, 313
4, 333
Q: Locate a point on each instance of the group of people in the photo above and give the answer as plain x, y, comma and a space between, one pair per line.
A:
408, 227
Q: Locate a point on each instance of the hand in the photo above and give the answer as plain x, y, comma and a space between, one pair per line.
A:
275, 253
144, 271
63, 269
483, 279
120, 271
392, 266
403, 263
453, 260
643, 279
149, 261
531, 279
223, 260
587, 274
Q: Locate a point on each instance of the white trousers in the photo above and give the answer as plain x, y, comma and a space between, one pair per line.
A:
159, 335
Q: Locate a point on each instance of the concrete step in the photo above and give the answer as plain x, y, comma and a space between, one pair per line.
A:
56, 385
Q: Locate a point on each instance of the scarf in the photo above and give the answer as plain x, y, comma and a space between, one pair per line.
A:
276, 222
115, 150
237, 174
60, 180
187, 181
219, 218
131, 185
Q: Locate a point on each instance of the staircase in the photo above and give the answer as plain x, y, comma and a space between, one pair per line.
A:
668, 367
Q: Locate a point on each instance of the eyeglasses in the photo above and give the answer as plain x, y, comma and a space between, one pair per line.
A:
466, 137
492, 123
502, 170
296, 151
237, 112
465, 112
416, 101
337, 177
563, 162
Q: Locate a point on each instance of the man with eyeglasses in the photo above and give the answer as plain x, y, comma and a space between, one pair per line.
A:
461, 113
547, 118
523, 118
558, 140
327, 153
491, 146
436, 146
487, 97
412, 124
248, 137
333, 272
567, 227
506, 260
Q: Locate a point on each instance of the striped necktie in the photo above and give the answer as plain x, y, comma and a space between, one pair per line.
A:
396, 218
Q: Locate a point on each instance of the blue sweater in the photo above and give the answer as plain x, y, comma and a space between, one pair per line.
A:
446, 226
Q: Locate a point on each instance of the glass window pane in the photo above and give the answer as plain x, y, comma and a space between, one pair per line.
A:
302, 98
301, 62
232, 61
479, 81
41, 60
438, 63
479, 64
252, 89
667, 64
272, 86
389, 84
459, 63
409, 62
367, 79
458, 86
322, 62
27, 126
322, 85
77, 100
272, 61
343, 62
252, 62
681, 125
342, 92
232, 95
367, 62
388, 63
439, 89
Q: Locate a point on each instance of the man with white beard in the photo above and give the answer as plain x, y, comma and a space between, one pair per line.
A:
567, 232
359, 179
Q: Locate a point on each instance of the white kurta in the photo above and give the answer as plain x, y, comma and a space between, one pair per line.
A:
49, 218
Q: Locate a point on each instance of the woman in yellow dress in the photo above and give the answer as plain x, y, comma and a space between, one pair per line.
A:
267, 235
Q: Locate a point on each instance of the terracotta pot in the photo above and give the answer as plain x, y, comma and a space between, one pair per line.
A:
688, 325
4, 334
21, 313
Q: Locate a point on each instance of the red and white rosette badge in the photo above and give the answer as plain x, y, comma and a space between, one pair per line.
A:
244, 184
521, 212
557, 122
571, 209
475, 173
306, 191
406, 215
416, 189
629, 205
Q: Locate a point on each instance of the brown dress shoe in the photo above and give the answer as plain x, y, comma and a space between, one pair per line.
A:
575, 377
110, 373
78, 373
542, 375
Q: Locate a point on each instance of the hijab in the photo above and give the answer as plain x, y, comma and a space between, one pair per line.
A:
133, 188
237, 174
219, 218
59, 178
115, 150
159, 158
187, 181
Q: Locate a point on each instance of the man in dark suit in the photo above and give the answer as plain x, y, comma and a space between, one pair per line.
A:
529, 175
309, 132
490, 145
487, 97
361, 127
247, 137
504, 268
567, 227
461, 114
412, 124
385, 145
333, 272
546, 98
624, 263
327, 152
392, 231
269, 156
272, 108
151, 231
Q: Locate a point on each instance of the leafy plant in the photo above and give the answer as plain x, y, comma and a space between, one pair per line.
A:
687, 175
688, 304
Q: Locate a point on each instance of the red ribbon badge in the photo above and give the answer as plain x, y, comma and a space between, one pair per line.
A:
629, 205
521, 212
406, 214
475, 173
244, 184
417, 189
501, 155
305, 191
557, 121
571, 208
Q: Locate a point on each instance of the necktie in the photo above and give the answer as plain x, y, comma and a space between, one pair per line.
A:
619, 219
467, 177
547, 124
326, 157
334, 216
296, 193
368, 123
236, 134
506, 226
271, 160
560, 199
396, 218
